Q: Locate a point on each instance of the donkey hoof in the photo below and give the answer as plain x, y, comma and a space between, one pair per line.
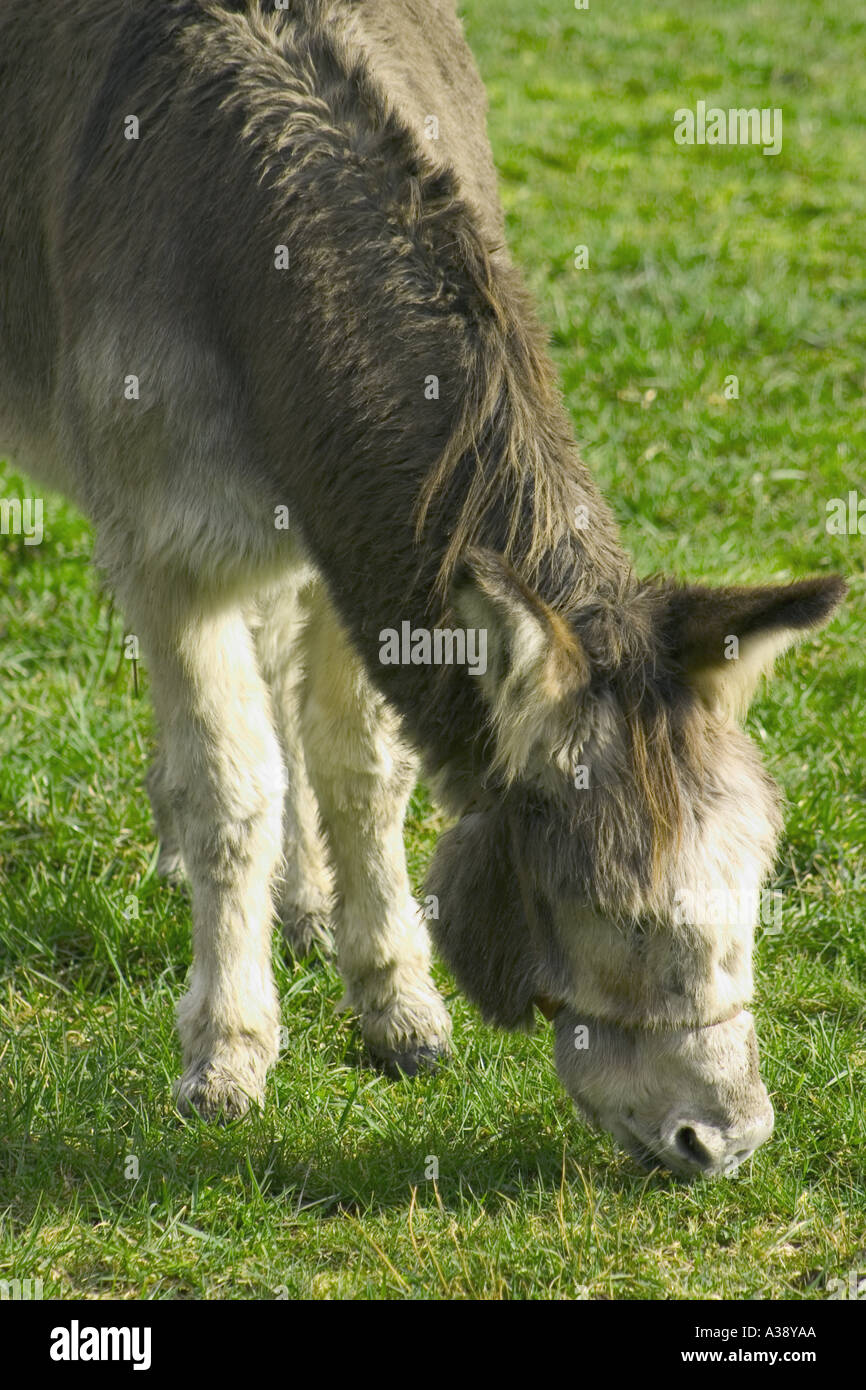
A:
212, 1093
305, 931
424, 1060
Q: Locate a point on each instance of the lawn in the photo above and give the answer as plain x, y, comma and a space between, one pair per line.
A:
704, 263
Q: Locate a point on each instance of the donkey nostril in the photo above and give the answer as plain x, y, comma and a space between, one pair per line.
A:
690, 1147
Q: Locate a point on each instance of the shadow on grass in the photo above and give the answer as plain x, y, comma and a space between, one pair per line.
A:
85, 1172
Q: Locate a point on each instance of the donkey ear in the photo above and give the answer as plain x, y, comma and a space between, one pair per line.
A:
724, 640
536, 664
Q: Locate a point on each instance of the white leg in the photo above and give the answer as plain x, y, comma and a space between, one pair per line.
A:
363, 775
221, 774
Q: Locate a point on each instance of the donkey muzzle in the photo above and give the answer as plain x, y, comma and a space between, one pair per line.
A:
693, 1148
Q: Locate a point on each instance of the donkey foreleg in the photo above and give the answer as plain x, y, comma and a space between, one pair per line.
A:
221, 773
363, 775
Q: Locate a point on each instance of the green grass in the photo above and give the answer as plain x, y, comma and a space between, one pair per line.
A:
703, 262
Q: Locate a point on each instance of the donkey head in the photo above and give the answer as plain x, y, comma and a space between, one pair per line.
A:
612, 871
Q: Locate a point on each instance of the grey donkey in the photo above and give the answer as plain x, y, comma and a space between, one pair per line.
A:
259, 322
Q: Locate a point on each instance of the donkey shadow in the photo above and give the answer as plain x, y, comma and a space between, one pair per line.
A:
178, 1156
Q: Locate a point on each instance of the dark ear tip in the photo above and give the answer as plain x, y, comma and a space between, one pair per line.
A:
837, 587
820, 596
